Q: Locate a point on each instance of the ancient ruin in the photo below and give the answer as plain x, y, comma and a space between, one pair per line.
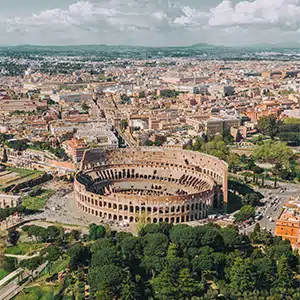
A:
153, 184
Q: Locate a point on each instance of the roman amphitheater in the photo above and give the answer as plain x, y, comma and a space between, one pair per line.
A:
156, 184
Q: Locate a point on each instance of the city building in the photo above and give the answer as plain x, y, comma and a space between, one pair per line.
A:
288, 224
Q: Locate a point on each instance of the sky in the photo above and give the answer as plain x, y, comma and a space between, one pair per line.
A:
149, 22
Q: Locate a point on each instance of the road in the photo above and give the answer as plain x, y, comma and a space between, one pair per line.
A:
273, 202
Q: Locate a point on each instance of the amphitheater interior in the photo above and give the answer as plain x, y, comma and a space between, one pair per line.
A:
150, 185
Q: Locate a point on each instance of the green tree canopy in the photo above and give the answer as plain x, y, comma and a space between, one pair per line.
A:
268, 125
245, 213
274, 152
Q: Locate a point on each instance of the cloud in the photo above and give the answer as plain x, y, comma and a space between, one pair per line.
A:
281, 13
156, 22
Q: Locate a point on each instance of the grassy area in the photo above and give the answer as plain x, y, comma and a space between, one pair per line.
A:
37, 202
25, 172
39, 293
3, 273
59, 266
25, 248
12, 176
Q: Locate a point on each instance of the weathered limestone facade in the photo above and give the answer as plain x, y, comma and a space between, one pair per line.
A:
157, 184
8, 201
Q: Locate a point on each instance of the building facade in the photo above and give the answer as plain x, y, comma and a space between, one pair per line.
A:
288, 224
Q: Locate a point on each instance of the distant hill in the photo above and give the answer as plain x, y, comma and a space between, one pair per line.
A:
291, 45
103, 47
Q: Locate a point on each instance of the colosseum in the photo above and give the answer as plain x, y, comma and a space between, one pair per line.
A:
156, 184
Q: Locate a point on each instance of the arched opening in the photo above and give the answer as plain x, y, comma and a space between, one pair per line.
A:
154, 220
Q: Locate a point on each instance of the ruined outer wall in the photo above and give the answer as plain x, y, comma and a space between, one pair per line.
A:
174, 208
204, 163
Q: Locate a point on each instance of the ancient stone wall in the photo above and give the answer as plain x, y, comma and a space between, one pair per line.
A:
156, 184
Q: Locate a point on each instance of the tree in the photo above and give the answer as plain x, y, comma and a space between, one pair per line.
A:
148, 143
131, 248
274, 152
245, 213
187, 286
212, 237
79, 254
53, 233
51, 253
284, 273
9, 264
251, 199
185, 236
85, 107
233, 161
231, 237
204, 261
227, 137
164, 285
268, 125
266, 272
107, 278
242, 277
32, 263
124, 124
13, 236
153, 264
75, 234
96, 232
129, 289
155, 244
217, 147
105, 256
